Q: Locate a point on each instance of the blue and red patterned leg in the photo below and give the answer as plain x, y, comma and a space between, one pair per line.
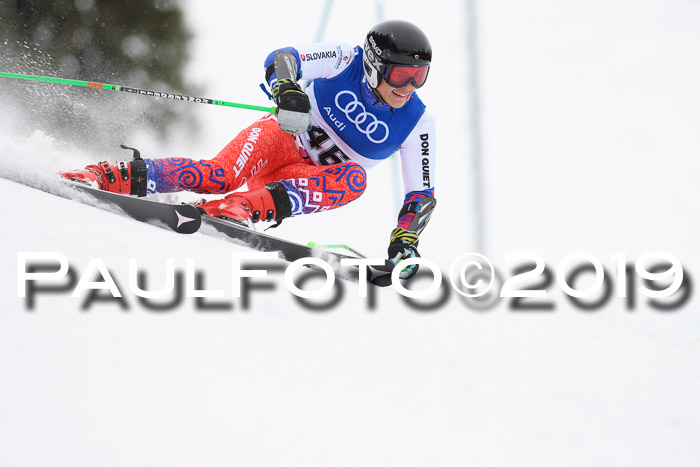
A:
318, 188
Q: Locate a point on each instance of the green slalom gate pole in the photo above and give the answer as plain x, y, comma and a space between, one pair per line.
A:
143, 92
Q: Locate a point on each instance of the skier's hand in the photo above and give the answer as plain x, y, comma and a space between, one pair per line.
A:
293, 107
404, 245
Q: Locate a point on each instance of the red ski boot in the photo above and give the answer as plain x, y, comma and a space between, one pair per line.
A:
270, 203
129, 178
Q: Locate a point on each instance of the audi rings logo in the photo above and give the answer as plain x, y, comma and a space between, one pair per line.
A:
364, 121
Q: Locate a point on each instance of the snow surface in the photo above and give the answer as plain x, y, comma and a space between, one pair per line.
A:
591, 143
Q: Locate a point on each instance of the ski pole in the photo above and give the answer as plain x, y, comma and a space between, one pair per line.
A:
143, 92
337, 247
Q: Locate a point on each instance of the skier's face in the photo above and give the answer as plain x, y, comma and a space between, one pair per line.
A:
395, 97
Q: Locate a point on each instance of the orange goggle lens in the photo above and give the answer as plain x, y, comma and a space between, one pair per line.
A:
400, 75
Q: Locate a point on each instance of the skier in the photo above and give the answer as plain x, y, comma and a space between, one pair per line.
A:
359, 109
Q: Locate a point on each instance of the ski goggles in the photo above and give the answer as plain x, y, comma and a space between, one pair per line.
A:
399, 76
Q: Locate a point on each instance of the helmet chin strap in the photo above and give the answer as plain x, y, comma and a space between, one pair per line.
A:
378, 97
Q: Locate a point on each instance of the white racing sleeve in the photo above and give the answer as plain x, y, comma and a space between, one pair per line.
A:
320, 60
324, 59
418, 157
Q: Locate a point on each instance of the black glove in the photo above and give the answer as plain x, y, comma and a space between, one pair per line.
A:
404, 245
293, 107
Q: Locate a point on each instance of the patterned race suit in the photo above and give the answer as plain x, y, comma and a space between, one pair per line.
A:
260, 154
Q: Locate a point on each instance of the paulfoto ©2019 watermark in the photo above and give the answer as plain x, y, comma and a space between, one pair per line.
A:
526, 282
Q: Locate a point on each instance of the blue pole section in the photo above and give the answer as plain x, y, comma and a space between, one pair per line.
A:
321, 30
474, 104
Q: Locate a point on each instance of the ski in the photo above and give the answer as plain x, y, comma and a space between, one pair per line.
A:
187, 219
182, 218
288, 250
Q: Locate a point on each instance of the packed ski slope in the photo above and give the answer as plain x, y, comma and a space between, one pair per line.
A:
278, 383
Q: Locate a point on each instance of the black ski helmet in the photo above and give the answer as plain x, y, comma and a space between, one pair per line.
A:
394, 42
